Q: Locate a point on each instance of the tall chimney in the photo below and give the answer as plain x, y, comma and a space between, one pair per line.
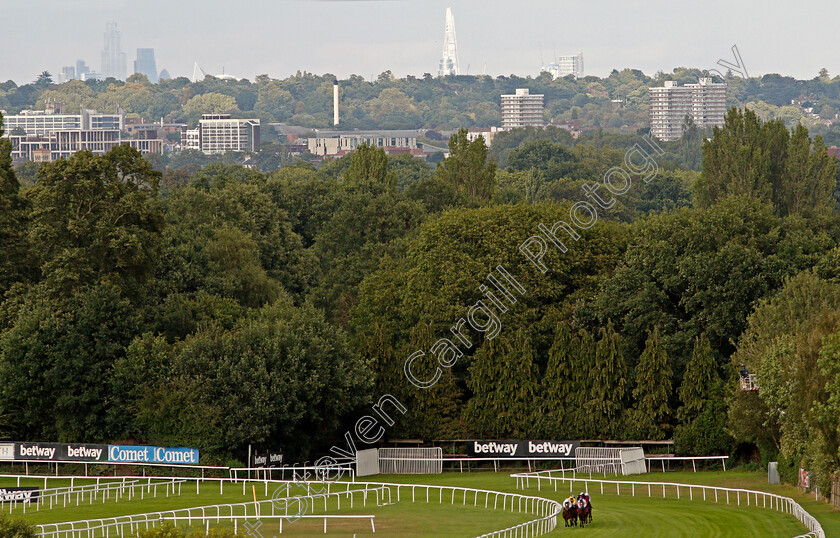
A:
335, 102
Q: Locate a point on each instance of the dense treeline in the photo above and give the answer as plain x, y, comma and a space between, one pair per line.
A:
617, 102
230, 307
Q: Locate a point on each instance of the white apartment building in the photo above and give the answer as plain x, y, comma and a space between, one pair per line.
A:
704, 102
522, 109
219, 133
341, 142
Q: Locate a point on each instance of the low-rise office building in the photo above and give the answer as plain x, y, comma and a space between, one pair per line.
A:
326, 143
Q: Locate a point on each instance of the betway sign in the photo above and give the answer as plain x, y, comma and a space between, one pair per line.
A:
60, 452
522, 449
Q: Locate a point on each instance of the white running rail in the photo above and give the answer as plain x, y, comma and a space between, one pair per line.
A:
750, 497
546, 510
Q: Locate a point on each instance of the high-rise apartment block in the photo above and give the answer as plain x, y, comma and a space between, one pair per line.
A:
522, 109
704, 102
566, 65
113, 58
218, 133
145, 64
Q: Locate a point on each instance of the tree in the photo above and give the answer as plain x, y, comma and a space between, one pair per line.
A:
653, 389
282, 377
56, 359
702, 416
16, 261
783, 343
700, 380
95, 219
44, 79
608, 381
468, 166
504, 383
765, 161
369, 165
209, 103
563, 387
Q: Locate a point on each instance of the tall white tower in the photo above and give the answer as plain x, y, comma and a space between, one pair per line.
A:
449, 58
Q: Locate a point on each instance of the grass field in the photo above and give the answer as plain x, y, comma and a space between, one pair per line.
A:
614, 515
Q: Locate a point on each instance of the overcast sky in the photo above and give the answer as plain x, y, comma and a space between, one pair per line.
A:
343, 37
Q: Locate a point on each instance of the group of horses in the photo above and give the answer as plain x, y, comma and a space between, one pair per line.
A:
577, 510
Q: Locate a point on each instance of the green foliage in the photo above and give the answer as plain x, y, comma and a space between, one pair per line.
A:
282, 376
786, 343
16, 263
698, 271
608, 381
503, 380
435, 281
562, 414
55, 357
369, 166
468, 166
95, 219
15, 528
651, 415
765, 161
699, 381
705, 434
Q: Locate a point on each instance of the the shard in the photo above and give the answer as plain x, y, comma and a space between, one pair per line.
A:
449, 58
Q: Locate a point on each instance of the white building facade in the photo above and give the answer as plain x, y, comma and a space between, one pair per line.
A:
219, 133
704, 102
566, 65
522, 109
341, 142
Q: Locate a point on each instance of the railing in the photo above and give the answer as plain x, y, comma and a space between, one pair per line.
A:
547, 510
249, 511
768, 500
65, 495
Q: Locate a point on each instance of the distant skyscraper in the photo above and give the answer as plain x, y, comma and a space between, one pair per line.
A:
164, 74
81, 69
566, 65
113, 58
145, 64
67, 73
449, 58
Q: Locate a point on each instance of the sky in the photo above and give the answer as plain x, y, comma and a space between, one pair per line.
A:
366, 37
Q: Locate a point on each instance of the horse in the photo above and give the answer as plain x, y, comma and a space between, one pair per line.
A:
584, 512
570, 514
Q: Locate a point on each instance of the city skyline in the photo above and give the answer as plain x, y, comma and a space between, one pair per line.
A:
280, 38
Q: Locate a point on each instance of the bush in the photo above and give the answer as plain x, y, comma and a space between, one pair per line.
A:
15, 528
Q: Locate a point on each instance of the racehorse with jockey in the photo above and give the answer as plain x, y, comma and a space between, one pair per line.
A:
570, 511
584, 505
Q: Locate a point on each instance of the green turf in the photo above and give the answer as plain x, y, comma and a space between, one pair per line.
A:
614, 515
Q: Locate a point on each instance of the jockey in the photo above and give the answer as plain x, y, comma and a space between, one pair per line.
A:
571, 500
